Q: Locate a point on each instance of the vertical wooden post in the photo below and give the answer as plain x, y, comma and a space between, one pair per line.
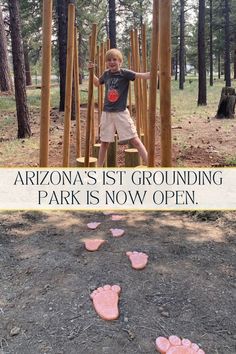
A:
90, 96
165, 82
69, 81
134, 67
144, 84
108, 44
139, 89
46, 76
92, 104
99, 90
130, 86
77, 95
153, 85
102, 68
112, 153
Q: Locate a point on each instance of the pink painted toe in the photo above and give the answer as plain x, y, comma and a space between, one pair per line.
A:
162, 344
186, 343
174, 340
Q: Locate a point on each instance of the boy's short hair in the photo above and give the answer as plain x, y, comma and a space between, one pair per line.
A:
111, 53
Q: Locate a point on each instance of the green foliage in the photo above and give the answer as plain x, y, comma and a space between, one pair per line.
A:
129, 14
31, 18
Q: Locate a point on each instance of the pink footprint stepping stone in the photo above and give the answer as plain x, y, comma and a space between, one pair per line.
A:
175, 345
117, 232
93, 245
138, 259
105, 301
93, 225
117, 217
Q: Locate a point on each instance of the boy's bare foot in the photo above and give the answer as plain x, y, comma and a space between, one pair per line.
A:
105, 301
93, 225
175, 345
117, 232
93, 245
138, 259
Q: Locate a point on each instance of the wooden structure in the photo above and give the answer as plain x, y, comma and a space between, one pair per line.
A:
153, 85
161, 30
165, 81
132, 158
90, 96
77, 94
45, 87
226, 107
69, 81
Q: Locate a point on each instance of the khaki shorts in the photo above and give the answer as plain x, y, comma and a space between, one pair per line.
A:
120, 122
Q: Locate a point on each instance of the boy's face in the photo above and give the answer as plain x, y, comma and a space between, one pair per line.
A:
113, 63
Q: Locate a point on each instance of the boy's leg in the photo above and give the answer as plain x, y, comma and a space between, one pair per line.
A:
102, 153
137, 143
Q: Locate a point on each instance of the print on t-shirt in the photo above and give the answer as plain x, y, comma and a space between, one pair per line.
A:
112, 93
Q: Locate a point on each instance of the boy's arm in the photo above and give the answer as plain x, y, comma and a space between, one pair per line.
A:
144, 76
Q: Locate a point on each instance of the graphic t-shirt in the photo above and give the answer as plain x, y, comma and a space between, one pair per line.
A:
116, 89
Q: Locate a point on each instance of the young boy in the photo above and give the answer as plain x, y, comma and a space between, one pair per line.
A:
115, 115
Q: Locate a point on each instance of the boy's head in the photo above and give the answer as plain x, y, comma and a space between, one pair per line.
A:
112, 54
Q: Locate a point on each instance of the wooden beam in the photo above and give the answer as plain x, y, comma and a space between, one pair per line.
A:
77, 95
90, 96
144, 84
45, 87
165, 82
69, 81
153, 86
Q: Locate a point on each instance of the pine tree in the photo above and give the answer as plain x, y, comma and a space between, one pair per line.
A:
5, 75
19, 70
202, 96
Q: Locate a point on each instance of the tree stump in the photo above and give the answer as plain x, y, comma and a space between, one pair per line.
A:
132, 158
226, 108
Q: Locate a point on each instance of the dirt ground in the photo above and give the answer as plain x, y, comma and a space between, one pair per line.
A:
197, 141
188, 287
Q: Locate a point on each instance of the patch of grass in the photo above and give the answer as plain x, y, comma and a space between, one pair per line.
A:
184, 102
7, 103
231, 161
22, 148
8, 120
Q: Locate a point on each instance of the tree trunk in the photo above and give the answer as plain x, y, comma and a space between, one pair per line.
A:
219, 65
19, 70
176, 65
62, 42
62, 14
5, 74
202, 100
226, 108
227, 46
27, 66
235, 54
112, 23
211, 47
182, 46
